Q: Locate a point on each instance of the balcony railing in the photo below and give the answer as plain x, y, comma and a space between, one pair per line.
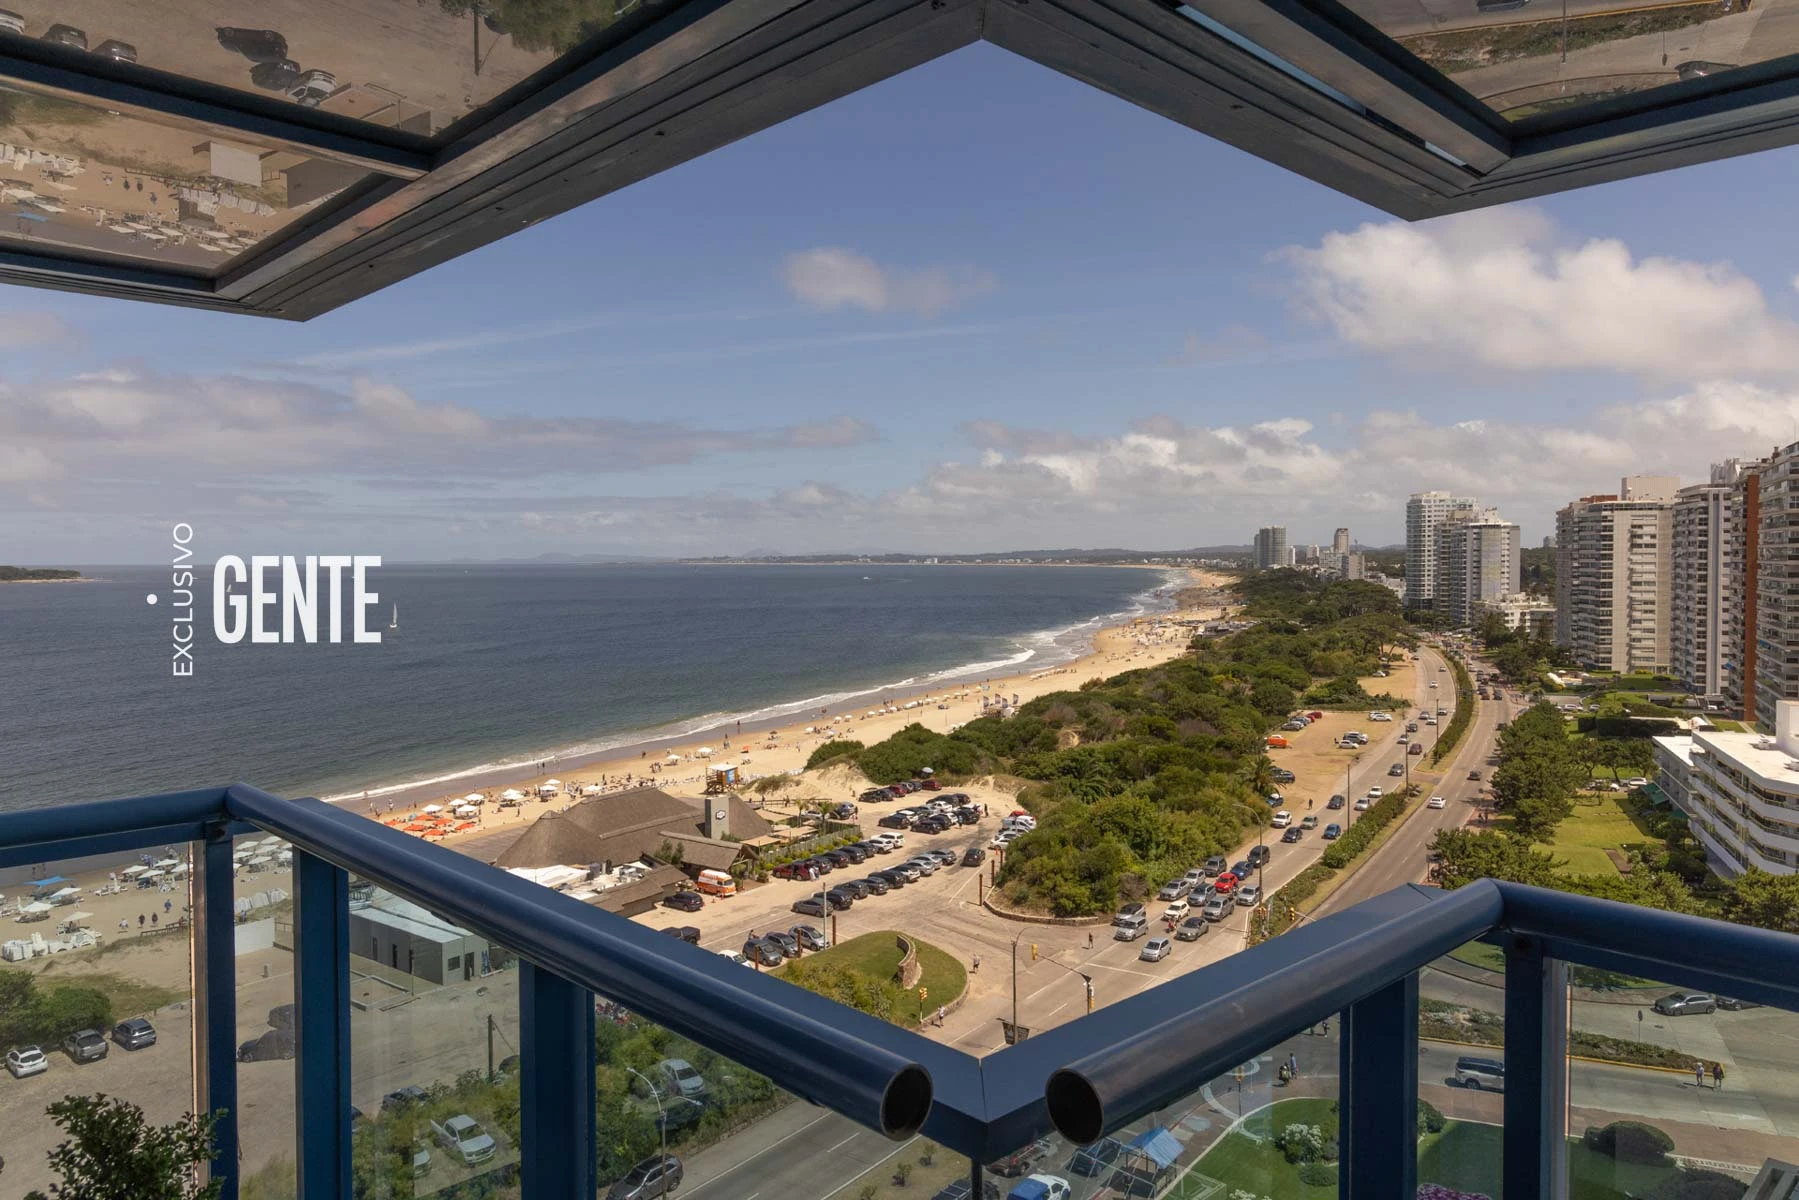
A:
1177, 1091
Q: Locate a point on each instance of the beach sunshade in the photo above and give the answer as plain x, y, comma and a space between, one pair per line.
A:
167, 862
151, 875
68, 893
40, 884
474, 797
674, 758
36, 906
79, 916
433, 808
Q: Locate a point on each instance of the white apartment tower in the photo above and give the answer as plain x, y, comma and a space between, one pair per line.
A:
1425, 515
1711, 606
1271, 548
1613, 575
1340, 543
1478, 556
1774, 663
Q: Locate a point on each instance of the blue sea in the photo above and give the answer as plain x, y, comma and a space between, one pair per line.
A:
493, 666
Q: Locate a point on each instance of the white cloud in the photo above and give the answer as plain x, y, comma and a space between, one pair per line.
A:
830, 278
1505, 290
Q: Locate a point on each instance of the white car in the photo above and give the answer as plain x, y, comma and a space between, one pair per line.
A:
1177, 910
1282, 819
1374, 793
1434, 802
1433, 683
1054, 1187
737, 957
1380, 716
26, 1060
463, 1134
1002, 839
1638, 782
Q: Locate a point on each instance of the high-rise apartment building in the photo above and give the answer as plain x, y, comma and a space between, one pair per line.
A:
1613, 575
1425, 515
1774, 665
1340, 543
1352, 566
1478, 555
1271, 548
1711, 605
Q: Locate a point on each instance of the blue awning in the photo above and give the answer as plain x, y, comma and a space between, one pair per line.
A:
44, 883
1159, 1145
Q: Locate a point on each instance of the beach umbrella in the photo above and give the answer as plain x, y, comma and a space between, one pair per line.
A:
673, 758
179, 869
474, 797
434, 808
704, 752
512, 794
36, 906
68, 893
167, 862
153, 874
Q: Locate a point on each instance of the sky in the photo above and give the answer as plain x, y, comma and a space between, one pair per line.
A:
976, 307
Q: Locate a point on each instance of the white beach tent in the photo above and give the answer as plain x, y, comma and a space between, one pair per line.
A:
474, 798
36, 907
155, 874
512, 794
673, 758
704, 752
133, 872
434, 808
469, 811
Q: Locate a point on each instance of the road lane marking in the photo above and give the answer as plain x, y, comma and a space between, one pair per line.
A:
867, 1169
825, 1116
846, 1141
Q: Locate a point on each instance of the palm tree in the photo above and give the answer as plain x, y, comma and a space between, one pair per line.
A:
1258, 773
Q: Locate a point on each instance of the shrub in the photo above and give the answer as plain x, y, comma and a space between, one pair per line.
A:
1633, 1141
902, 1173
1318, 1174
1301, 1143
1430, 1118
113, 1151
832, 749
1692, 1183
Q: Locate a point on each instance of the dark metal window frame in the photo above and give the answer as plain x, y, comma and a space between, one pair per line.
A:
708, 72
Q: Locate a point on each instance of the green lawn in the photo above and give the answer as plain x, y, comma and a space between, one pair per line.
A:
1259, 1168
1480, 954
877, 956
1599, 823
1466, 1156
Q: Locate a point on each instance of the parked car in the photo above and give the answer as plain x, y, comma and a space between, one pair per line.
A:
85, 1045
1332, 832
11, 22
1041, 1187
909, 870
974, 856
463, 1135
686, 933
23, 1061
66, 35
926, 864
737, 957
117, 51
762, 952
681, 1078
1191, 930
134, 1033
1731, 1004
1154, 950
811, 906
892, 877
786, 943
877, 885
857, 888
685, 902
1481, 1074
839, 898
651, 1178
1020, 1161
810, 937
403, 1098
1683, 1004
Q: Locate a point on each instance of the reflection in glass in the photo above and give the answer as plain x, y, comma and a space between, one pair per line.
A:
78, 177
434, 1076
96, 990
416, 66
1461, 1069
262, 892
1525, 58
1675, 1091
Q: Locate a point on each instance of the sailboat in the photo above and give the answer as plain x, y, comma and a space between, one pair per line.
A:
395, 623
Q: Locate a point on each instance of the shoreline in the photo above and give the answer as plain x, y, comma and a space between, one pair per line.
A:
702, 727
869, 715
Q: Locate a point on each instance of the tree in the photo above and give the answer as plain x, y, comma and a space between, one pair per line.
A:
1465, 856
114, 1154
1764, 900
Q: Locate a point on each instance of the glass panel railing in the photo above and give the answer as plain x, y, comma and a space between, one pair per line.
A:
96, 989
433, 1051
670, 1114
1461, 1069
1268, 1127
1673, 1090
263, 907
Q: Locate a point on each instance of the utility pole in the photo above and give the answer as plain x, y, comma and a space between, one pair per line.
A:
1015, 978
490, 1025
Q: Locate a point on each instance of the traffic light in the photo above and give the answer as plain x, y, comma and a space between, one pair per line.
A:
924, 993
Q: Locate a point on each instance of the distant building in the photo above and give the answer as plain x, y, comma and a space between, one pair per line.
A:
1613, 575
1425, 515
1740, 792
1478, 557
1352, 566
1712, 606
1340, 543
412, 940
1773, 667
1520, 610
1271, 549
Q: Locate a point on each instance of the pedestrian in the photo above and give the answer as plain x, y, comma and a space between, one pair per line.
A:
167, 905
1717, 1076
1698, 1074
977, 964
940, 1015
140, 920
1293, 1064
153, 920
1089, 939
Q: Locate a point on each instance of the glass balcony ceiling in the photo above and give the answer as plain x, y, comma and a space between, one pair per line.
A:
282, 158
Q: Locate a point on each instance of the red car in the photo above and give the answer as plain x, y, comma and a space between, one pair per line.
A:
930, 785
1226, 883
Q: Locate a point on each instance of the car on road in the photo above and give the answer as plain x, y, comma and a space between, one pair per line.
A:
1174, 889
685, 902
811, 937
1435, 802
1176, 911
1226, 884
133, 1033
1411, 727
1332, 832
1310, 821
655, 1176
24, 1061
1292, 834
1249, 896
1217, 907
1364, 804
681, 1078
1375, 793
1396, 770
1215, 865
463, 1135
1481, 1074
1335, 802
1281, 819
1474, 776
1154, 950
84, 1046
1259, 856
1129, 929
1686, 1004
1433, 683
1190, 930
811, 906
1242, 869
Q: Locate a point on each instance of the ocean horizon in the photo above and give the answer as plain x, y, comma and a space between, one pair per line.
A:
501, 666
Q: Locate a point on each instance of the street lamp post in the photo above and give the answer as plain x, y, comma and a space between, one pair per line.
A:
661, 1127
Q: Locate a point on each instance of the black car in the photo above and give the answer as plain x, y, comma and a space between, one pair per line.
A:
1292, 833
274, 1044
857, 888
1259, 856
1191, 930
837, 858
1215, 866
894, 878
811, 937
1334, 802
282, 1016
821, 864
856, 854
763, 952
685, 902
894, 821
686, 933
840, 899
786, 942
134, 1033
1133, 909
257, 45
403, 1098
874, 848
1282, 775
974, 856
875, 796
877, 885
66, 35
654, 1177
933, 824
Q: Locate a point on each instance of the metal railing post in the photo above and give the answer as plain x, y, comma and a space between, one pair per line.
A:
556, 1116
1378, 1151
322, 1026
1536, 1071
215, 1002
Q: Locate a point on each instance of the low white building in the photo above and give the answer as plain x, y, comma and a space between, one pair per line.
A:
1523, 610
1740, 791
